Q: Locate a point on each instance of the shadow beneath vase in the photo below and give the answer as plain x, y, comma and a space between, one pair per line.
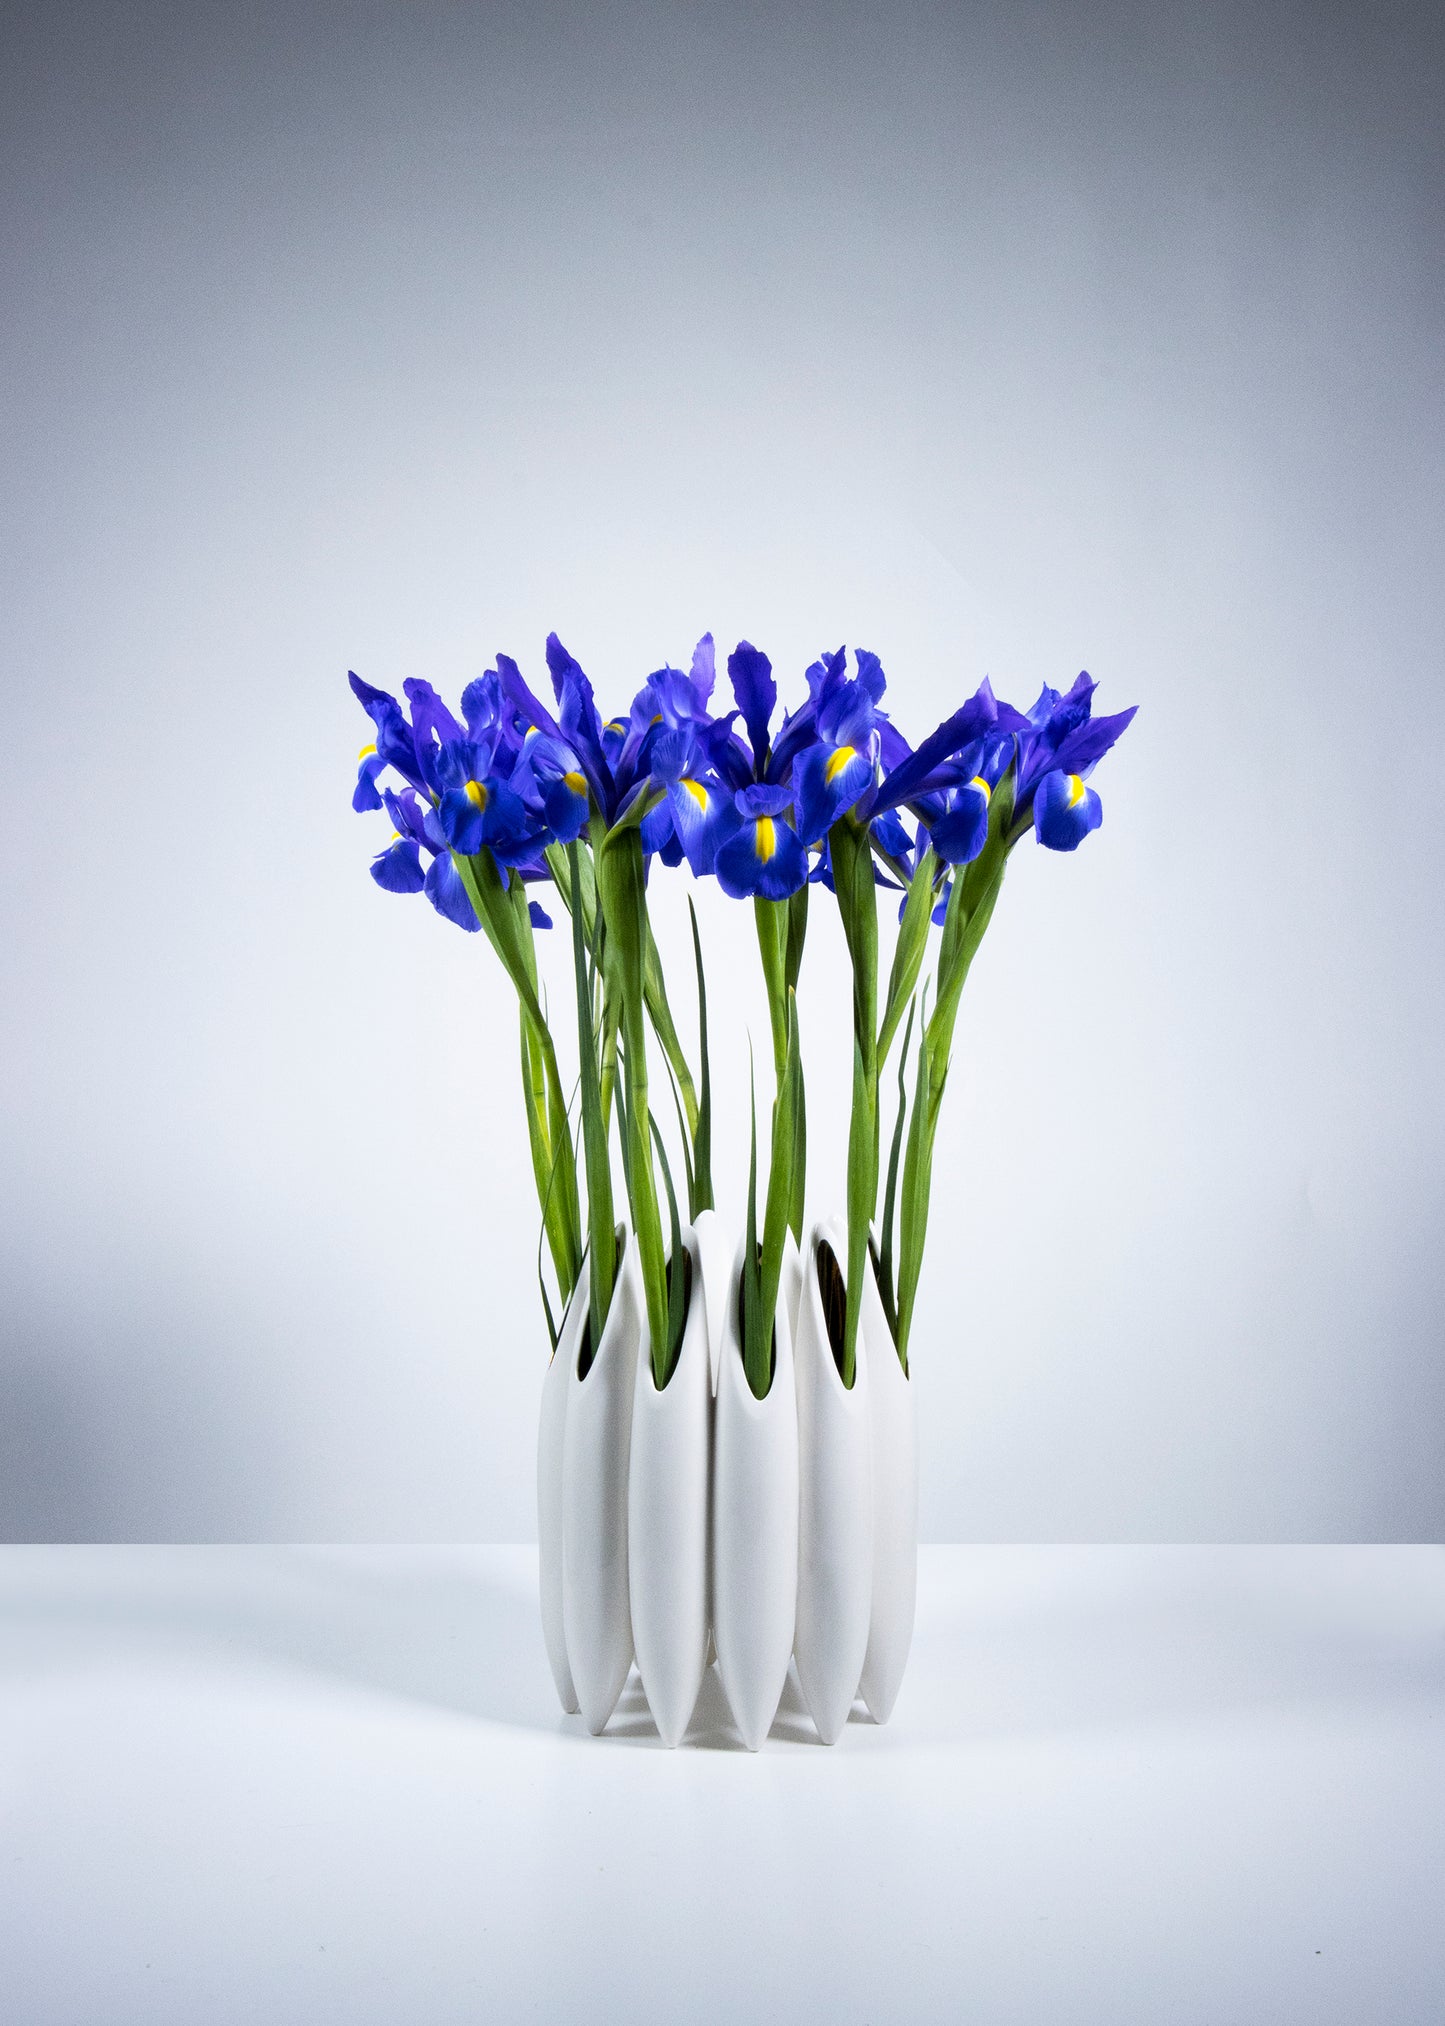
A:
456, 1630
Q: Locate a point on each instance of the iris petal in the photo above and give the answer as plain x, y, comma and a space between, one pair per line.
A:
827, 780
960, 833
751, 674
755, 860
1065, 811
445, 891
398, 870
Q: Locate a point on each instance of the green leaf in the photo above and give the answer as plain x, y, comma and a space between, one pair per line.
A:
797, 935
654, 992
664, 1356
885, 1262
701, 1198
621, 886
757, 1348
917, 1178
852, 862
862, 1194
908, 951
600, 1225
780, 1176
771, 917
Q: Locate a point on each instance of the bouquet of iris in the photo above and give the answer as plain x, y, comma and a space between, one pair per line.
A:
728, 1432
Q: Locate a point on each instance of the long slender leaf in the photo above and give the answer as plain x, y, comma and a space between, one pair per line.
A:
862, 1194
622, 890
664, 1356
913, 1217
885, 1261
600, 1223
701, 1197
757, 1347
852, 862
779, 1204
659, 1012
771, 918
797, 936
908, 951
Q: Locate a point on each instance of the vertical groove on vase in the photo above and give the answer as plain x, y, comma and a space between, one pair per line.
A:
835, 1504
755, 1525
551, 1438
667, 1520
893, 1428
595, 1608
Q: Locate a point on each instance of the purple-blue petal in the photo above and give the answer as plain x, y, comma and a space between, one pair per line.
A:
751, 675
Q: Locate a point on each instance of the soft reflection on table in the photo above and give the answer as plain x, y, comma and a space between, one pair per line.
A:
1164, 1785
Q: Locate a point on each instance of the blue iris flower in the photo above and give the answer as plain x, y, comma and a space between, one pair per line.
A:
957, 811
765, 854
395, 744
549, 779
1065, 810
837, 768
1061, 737
477, 807
924, 772
698, 813
399, 868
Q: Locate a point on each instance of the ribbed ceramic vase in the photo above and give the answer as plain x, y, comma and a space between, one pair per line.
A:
754, 1524
893, 1441
835, 1498
596, 1614
667, 1517
551, 1440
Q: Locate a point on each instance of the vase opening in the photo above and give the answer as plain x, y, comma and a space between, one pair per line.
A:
772, 1342
886, 1305
833, 1292
672, 1362
586, 1350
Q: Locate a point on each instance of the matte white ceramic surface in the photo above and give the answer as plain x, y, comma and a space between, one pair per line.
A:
755, 1525
893, 1427
667, 1520
596, 1615
551, 1437
792, 1279
835, 1503
715, 1249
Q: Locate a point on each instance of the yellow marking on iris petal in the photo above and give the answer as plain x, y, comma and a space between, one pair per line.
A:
576, 782
476, 794
767, 841
837, 761
697, 792
366, 752
979, 782
1076, 790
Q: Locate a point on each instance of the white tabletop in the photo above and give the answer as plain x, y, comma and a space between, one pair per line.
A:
1181, 1786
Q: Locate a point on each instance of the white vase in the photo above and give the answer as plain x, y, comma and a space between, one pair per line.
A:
835, 1502
596, 1616
667, 1519
715, 1249
754, 1524
893, 1428
551, 1437
791, 1281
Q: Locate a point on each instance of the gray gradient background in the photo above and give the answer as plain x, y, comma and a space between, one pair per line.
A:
1002, 341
